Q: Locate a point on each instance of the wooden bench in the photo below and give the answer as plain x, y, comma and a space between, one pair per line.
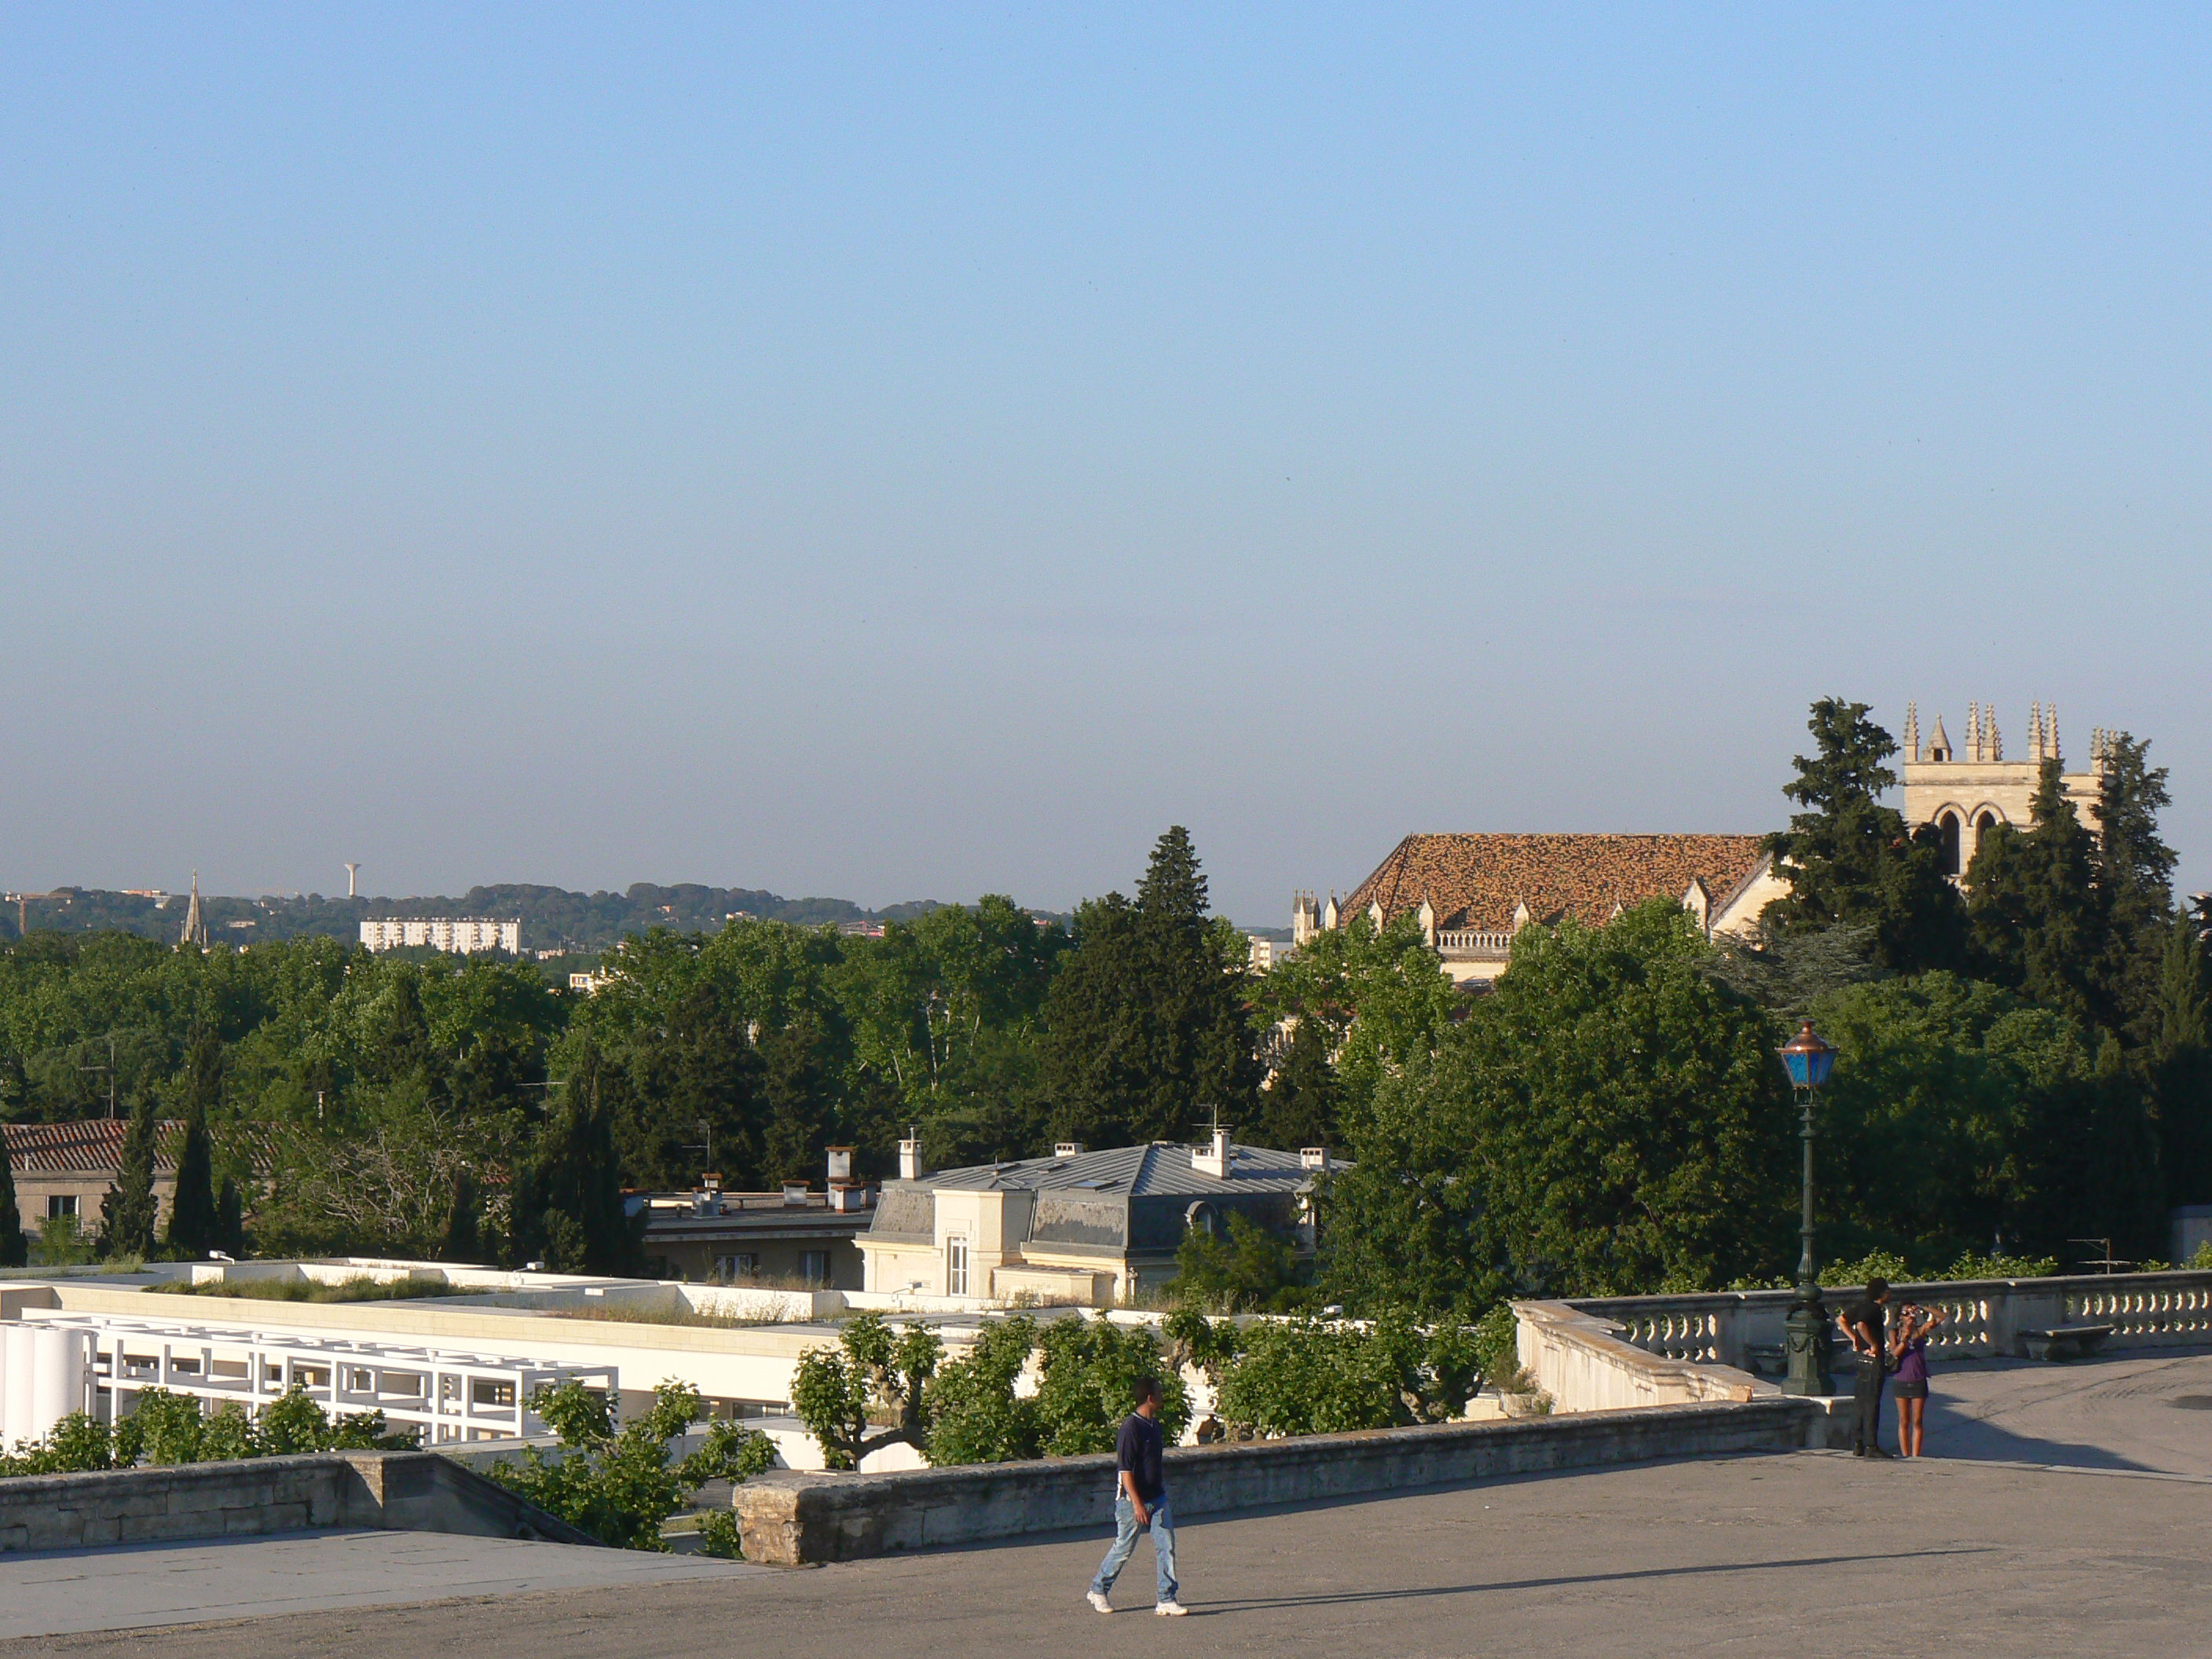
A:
2065, 1342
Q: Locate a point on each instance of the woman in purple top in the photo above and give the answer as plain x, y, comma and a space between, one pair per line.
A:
1908, 1347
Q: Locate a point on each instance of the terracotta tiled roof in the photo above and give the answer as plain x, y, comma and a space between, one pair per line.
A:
90, 1146
1477, 881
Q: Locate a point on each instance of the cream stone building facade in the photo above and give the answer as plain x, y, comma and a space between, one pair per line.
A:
1967, 790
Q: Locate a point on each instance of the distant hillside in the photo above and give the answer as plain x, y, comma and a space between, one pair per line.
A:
552, 917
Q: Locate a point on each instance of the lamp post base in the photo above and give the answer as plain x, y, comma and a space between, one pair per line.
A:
1806, 1345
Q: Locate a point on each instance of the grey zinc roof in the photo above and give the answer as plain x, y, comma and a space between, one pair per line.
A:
1162, 1168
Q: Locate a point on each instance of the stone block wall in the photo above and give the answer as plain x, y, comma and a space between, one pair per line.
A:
799, 1519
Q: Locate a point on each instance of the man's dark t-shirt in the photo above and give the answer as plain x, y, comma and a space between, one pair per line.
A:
1874, 1317
1138, 1449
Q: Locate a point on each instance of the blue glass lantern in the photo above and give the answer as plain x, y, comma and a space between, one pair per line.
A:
1809, 1060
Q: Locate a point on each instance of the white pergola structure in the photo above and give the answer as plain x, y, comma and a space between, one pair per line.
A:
450, 1396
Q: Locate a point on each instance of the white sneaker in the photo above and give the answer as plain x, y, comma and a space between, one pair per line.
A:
1098, 1600
1171, 1609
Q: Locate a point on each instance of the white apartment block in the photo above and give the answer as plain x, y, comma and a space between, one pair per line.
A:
460, 934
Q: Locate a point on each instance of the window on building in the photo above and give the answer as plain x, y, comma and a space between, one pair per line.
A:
814, 1266
1947, 828
739, 1268
956, 1264
59, 1205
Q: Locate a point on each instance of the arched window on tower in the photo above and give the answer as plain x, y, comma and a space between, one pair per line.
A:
1947, 828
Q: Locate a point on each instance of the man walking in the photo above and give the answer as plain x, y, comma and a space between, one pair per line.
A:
1140, 1500
1865, 1323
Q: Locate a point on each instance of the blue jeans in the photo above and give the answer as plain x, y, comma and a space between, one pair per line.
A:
1125, 1545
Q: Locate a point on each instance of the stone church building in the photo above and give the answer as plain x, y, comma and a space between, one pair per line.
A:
1472, 893
1967, 791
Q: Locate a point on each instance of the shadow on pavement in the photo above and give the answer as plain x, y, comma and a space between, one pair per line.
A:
1252, 1604
1952, 1432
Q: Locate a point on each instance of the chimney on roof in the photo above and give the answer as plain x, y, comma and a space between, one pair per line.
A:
841, 1165
1067, 1149
1213, 1157
910, 1155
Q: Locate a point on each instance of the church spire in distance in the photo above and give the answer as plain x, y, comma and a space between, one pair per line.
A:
195, 923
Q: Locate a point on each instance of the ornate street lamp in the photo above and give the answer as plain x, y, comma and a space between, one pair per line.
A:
1808, 1061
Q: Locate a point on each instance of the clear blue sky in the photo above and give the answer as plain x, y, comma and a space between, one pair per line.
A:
913, 452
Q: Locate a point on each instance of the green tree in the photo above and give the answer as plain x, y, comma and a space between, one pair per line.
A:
1088, 1380
1850, 859
1609, 1119
1326, 1376
2181, 1062
193, 1224
2135, 872
837, 1392
1147, 1035
569, 1209
230, 1219
1956, 1116
463, 1239
1298, 1105
974, 1412
2042, 923
128, 1212
15, 1248
1366, 1002
1253, 1270
621, 1483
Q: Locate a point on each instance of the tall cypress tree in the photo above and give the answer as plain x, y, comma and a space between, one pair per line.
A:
194, 1228
2181, 1063
2134, 869
2041, 920
1850, 861
15, 1248
463, 1238
128, 1212
1147, 1033
568, 1208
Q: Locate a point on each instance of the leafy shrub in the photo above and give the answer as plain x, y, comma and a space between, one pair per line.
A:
617, 1482
168, 1428
1322, 1376
975, 1415
1089, 1380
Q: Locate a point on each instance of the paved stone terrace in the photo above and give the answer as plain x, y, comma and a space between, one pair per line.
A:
1731, 1556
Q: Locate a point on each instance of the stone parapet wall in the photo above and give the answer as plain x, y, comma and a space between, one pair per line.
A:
416, 1491
1987, 1317
794, 1519
1582, 1361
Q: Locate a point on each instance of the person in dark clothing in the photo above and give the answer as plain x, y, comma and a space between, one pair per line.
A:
1865, 1325
1141, 1501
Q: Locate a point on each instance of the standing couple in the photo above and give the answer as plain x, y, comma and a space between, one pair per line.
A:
1880, 1351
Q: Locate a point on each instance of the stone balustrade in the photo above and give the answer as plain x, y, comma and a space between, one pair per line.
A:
1598, 1353
1467, 941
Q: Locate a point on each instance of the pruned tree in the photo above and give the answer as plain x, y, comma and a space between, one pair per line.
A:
874, 1373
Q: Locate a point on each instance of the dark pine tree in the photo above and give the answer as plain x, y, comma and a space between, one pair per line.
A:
2125, 1192
15, 1248
230, 1219
2181, 1063
568, 1206
128, 1212
2041, 921
464, 1242
796, 1092
1850, 861
194, 1226
1298, 1106
1147, 1031
2134, 869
